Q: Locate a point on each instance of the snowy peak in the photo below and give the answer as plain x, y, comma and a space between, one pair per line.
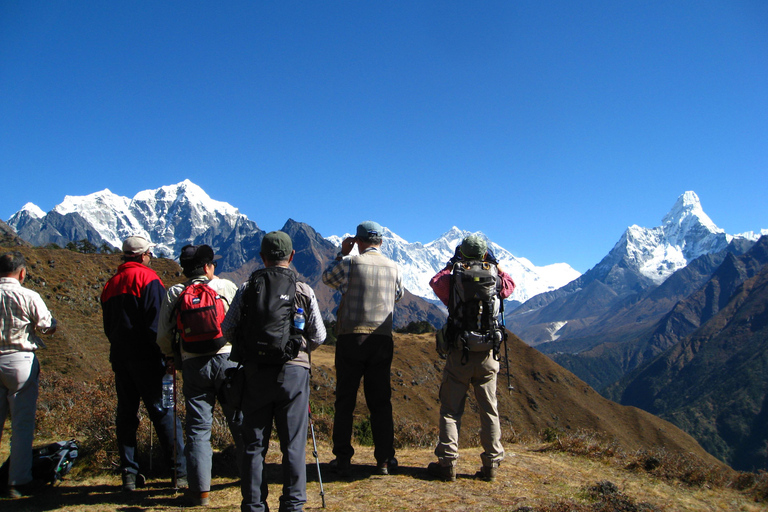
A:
686, 223
419, 262
172, 198
685, 234
168, 216
32, 210
687, 205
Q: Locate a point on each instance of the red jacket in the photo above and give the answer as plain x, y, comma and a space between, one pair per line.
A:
130, 306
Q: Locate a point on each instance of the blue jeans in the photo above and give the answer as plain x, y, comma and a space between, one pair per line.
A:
279, 394
19, 373
139, 381
203, 379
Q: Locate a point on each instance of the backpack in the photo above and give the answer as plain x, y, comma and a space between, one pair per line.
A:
474, 305
50, 463
265, 333
199, 312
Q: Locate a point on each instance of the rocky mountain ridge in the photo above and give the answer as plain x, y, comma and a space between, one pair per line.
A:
175, 215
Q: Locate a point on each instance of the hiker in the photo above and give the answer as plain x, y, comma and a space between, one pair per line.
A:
23, 315
130, 306
370, 284
204, 359
472, 356
273, 324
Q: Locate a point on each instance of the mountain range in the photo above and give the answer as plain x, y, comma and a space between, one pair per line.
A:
175, 215
600, 317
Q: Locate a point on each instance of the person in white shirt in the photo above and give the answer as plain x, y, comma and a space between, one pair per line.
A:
23, 315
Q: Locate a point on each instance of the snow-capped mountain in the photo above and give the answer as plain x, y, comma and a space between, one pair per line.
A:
171, 217
685, 234
175, 215
640, 262
419, 262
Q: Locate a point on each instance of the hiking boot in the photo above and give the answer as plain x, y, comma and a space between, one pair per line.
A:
387, 467
342, 467
133, 480
488, 473
19, 491
198, 499
445, 473
181, 482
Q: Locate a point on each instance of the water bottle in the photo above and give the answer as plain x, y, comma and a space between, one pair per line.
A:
298, 319
167, 391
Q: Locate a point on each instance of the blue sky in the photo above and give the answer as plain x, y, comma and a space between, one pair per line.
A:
550, 126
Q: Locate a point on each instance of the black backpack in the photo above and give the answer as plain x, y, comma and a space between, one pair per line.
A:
50, 463
474, 306
265, 333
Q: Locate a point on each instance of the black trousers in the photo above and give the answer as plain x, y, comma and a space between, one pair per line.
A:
139, 381
368, 357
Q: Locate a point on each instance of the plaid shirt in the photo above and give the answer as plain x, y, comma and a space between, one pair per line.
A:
370, 284
21, 312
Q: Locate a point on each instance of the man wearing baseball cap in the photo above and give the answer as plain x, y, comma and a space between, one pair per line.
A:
274, 393
370, 284
130, 304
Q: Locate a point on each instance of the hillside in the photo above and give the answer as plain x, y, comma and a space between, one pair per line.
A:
634, 332
714, 383
544, 395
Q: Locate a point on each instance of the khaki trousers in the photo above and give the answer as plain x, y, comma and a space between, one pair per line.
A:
480, 371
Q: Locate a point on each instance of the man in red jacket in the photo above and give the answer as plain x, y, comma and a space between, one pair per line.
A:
130, 305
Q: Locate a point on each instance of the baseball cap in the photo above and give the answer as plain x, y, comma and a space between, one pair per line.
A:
136, 245
369, 229
276, 245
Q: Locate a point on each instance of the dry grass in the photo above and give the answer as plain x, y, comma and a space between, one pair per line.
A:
557, 471
530, 480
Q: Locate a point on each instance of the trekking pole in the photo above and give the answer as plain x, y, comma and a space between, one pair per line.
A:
150, 447
175, 437
314, 452
312, 429
506, 347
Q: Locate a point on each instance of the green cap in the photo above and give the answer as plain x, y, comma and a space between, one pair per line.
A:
276, 245
369, 229
473, 247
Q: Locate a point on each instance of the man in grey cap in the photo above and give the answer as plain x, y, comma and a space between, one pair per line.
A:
130, 304
274, 391
370, 284
203, 365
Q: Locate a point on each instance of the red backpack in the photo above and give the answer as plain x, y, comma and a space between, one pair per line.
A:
200, 311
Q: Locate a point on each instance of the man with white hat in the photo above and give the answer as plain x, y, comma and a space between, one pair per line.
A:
130, 305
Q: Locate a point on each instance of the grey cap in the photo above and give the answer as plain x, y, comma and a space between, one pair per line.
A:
473, 247
369, 229
136, 245
276, 245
